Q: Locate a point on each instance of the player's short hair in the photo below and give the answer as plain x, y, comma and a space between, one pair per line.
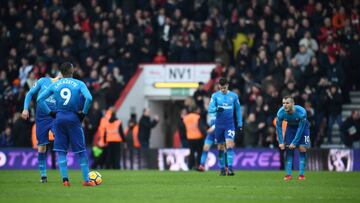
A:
223, 81
65, 68
289, 97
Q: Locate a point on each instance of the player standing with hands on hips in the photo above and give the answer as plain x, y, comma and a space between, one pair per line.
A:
68, 118
224, 103
297, 134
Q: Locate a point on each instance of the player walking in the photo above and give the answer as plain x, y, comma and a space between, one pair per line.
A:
224, 103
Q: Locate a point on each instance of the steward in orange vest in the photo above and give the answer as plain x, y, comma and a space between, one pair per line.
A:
283, 126
195, 132
33, 136
132, 142
131, 134
111, 135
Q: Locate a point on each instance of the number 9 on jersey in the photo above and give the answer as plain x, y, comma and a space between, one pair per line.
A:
65, 93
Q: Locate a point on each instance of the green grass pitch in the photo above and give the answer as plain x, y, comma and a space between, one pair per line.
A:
155, 186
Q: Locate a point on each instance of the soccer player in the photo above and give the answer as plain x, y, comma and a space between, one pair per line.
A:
67, 92
297, 134
44, 122
224, 103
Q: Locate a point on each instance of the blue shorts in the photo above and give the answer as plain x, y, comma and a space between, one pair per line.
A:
305, 137
224, 132
43, 125
210, 137
68, 133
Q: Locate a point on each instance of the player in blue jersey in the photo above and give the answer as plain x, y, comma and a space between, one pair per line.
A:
67, 92
44, 122
297, 134
225, 103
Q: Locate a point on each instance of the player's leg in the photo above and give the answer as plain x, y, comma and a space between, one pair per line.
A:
304, 144
62, 162
230, 144
42, 135
61, 144
302, 162
204, 154
84, 165
289, 163
207, 145
42, 162
83, 161
77, 141
221, 156
220, 141
289, 136
229, 135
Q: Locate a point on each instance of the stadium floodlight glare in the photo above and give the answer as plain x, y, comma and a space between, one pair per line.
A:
176, 85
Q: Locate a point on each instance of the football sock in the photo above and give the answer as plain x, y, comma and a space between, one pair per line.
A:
302, 163
42, 163
84, 165
221, 160
203, 158
63, 164
229, 157
289, 161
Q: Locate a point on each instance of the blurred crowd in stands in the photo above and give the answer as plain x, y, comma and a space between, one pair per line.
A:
266, 49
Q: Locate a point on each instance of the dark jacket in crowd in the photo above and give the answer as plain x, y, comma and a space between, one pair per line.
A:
22, 133
145, 126
335, 104
351, 131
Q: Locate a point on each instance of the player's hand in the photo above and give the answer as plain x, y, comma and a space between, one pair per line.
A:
81, 115
220, 109
292, 146
25, 114
282, 146
52, 114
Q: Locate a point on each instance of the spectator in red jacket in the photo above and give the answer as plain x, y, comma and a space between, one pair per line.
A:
159, 58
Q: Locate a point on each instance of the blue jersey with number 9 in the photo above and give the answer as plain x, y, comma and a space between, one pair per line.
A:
67, 93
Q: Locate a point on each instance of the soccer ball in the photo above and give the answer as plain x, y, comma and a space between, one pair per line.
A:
95, 177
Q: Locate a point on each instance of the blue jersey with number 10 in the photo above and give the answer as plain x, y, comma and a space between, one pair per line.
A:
67, 92
297, 121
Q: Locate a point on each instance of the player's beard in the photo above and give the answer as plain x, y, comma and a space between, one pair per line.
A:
289, 109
